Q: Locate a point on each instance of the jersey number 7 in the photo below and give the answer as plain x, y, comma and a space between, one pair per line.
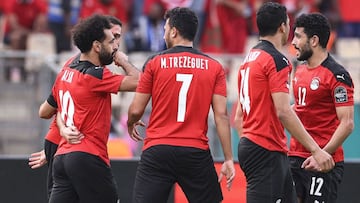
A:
186, 80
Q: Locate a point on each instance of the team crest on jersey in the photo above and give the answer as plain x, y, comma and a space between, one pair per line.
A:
315, 83
340, 94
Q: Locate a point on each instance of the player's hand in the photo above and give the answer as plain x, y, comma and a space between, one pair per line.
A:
227, 170
72, 135
310, 164
133, 132
37, 159
323, 160
120, 58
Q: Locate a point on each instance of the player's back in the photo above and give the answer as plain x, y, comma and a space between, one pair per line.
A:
182, 82
264, 71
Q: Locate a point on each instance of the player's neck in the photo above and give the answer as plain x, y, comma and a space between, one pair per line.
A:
319, 55
274, 40
91, 57
183, 42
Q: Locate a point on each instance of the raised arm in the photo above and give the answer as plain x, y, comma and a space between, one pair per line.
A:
132, 73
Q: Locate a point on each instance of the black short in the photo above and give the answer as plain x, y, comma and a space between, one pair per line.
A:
50, 150
161, 166
267, 174
315, 186
82, 177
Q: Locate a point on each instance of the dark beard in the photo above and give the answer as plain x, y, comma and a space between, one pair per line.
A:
305, 55
105, 58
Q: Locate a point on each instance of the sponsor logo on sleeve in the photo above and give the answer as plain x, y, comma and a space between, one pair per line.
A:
340, 94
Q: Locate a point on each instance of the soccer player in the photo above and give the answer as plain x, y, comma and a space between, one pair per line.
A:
323, 92
183, 83
48, 109
264, 110
81, 167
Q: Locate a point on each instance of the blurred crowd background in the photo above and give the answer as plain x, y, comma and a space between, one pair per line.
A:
35, 39
224, 24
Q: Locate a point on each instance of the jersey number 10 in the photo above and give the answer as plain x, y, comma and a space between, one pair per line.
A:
67, 108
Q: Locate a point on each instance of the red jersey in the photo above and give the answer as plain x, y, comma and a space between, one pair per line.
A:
53, 135
349, 10
83, 94
182, 82
232, 24
116, 8
317, 92
167, 4
264, 71
26, 12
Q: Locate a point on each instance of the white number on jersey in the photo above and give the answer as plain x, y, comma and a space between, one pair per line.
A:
301, 96
67, 108
244, 90
316, 184
186, 80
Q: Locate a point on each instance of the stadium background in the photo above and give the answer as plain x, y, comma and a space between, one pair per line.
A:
22, 131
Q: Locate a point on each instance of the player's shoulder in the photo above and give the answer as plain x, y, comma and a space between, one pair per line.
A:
184, 51
337, 70
273, 54
86, 67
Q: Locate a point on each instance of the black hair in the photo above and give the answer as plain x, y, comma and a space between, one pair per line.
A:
90, 30
315, 24
114, 20
184, 20
269, 17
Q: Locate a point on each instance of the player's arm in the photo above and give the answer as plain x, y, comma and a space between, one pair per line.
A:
239, 7
131, 79
238, 119
223, 130
48, 108
293, 124
345, 115
135, 112
46, 111
71, 134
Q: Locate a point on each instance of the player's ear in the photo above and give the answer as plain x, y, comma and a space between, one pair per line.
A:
96, 46
173, 32
314, 40
282, 27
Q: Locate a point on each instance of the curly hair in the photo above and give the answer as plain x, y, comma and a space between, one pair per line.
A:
89, 30
315, 24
